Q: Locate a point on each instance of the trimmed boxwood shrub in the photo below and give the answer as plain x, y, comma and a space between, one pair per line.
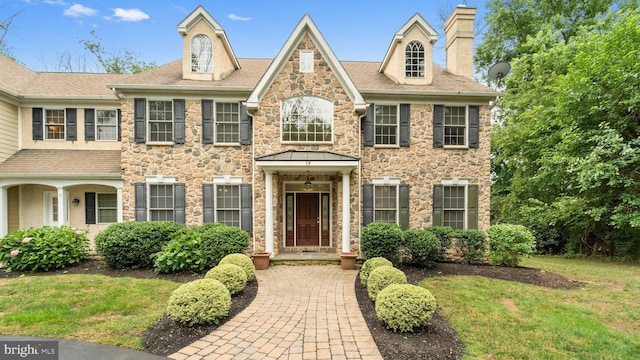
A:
243, 261
43, 249
405, 307
473, 245
383, 276
422, 248
231, 276
199, 302
509, 243
129, 245
444, 234
220, 240
369, 265
381, 239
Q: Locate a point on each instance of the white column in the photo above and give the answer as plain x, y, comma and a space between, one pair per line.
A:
4, 214
62, 207
268, 218
346, 212
119, 209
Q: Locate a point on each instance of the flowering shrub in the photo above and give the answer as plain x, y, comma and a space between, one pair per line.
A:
405, 307
202, 301
43, 249
383, 276
231, 276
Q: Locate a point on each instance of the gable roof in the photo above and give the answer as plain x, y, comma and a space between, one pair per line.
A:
200, 14
416, 21
306, 26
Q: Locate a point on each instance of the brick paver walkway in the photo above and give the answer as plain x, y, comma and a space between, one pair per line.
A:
300, 312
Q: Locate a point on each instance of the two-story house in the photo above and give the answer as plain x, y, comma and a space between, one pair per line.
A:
301, 150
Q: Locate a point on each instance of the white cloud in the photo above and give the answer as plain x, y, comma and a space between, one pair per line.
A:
132, 15
53, 2
238, 18
78, 10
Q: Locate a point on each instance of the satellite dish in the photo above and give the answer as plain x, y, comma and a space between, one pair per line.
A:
499, 70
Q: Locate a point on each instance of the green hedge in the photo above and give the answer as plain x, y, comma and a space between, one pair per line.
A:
473, 246
422, 248
381, 239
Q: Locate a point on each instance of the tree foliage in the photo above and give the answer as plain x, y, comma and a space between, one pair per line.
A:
115, 62
567, 150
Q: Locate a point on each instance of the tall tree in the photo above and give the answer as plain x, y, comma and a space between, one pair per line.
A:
115, 62
4, 29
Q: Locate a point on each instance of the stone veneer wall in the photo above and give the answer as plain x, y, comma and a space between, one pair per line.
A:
346, 139
421, 165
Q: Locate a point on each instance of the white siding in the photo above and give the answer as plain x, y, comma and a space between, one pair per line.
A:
8, 130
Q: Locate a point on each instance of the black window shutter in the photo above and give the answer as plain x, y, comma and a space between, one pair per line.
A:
72, 124
405, 115
207, 121
207, 203
246, 208
474, 126
472, 206
369, 130
367, 204
140, 120
438, 126
37, 123
89, 125
404, 206
245, 126
438, 205
141, 201
179, 203
178, 121
119, 125
90, 207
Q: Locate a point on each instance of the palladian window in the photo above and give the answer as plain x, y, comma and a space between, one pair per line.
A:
307, 119
201, 54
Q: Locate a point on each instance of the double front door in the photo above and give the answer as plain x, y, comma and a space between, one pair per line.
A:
307, 219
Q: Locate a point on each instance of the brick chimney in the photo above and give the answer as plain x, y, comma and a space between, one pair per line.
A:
459, 33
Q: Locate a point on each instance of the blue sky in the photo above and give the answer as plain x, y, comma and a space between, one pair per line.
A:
46, 30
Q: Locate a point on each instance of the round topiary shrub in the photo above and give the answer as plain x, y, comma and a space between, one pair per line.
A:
231, 276
383, 276
369, 265
202, 301
243, 261
422, 247
129, 245
43, 249
380, 240
509, 243
405, 307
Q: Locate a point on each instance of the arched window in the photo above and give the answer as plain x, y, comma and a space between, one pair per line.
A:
414, 60
201, 54
307, 119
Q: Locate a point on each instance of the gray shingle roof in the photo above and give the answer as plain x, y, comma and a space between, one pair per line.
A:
62, 163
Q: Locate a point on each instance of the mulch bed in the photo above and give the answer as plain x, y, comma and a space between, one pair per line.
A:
438, 341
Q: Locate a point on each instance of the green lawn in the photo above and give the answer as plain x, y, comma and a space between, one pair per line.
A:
505, 320
95, 308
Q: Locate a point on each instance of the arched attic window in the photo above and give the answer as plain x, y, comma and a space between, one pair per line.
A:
414, 60
201, 54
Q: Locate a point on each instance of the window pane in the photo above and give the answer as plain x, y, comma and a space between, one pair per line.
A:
227, 123
106, 124
228, 204
201, 54
386, 124
161, 121
385, 203
54, 124
414, 60
455, 124
307, 119
161, 202
454, 206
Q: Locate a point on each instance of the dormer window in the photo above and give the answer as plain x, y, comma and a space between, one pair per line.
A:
201, 54
414, 60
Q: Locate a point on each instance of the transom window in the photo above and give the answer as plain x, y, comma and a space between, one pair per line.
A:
107, 208
228, 205
307, 119
107, 124
455, 125
454, 206
201, 54
385, 203
160, 121
386, 124
54, 125
227, 126
414, 60
161, 202
306, 61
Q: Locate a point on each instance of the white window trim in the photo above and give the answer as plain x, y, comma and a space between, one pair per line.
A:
215, 123
455, 181
98, 207
466, 128
387, 181
227, 180
305, 65
424, 61
307, 142
160, 180
397, 144
44, 124
95, 120
148, 122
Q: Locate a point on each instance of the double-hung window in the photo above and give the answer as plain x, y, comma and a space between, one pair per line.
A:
307, 119
227, 126
455, 125
455, 204
54, 124
386, 125
385, 203
454, 209
414, 60
160, 121
106, 124
160, 202
107, 208
228, 204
